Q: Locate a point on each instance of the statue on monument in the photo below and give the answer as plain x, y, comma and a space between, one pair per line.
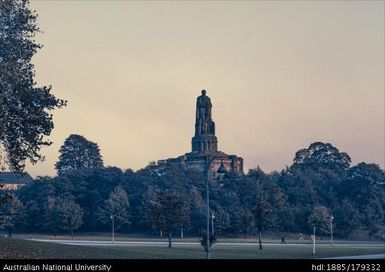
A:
204, 106
204, 139
204, 122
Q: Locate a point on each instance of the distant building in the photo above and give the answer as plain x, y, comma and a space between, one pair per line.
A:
13, 181
205, 154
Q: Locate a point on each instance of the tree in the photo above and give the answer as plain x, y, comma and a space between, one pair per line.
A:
346, 218
364, 182
78, 153
25, 118
321, 155
320, 217
117, 205
243, 221
3, 197
267, 197
51, 211
169, 211
35, 198
61, 214
364, 186
11, 213
298, 186
260, 210
373, 216
71, 215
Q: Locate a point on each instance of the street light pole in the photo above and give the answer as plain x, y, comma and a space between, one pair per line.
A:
331, 229
207, 210
221, 170
212, 223
113, 228
314, 242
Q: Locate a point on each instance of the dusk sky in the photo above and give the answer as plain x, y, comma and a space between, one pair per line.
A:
280, 75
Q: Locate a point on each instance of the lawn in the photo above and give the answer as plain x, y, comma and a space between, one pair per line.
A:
22, 249
102, 236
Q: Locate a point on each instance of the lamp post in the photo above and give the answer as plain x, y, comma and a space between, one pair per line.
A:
212, 223
113, 228
207, 208
314, 241
221, 170
331, 229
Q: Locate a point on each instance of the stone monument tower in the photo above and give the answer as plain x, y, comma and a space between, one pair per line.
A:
205, 155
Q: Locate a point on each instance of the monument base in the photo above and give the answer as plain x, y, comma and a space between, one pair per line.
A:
199, 161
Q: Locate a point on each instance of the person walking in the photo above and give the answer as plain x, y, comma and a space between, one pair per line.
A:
283, 240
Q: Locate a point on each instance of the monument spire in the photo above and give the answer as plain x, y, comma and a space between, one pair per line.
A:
205, 156
204, 139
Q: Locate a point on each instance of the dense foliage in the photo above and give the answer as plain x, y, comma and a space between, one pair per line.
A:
78, 153
167, 199
25, 117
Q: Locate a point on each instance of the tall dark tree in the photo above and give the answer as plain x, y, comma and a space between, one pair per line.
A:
51, 211
243, 221
364, 186
373, 217
35, 197
313, 178
266, 197
5, 196
25, 118
320, 218
346, 218
319, 154
116, 205
71, 215
169, 211
78, 153
11, 214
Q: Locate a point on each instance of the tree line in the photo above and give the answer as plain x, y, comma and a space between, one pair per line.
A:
166, 200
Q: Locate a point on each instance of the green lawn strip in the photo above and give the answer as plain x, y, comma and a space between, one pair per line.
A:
287, 252
348, 251
103, 236
23, 249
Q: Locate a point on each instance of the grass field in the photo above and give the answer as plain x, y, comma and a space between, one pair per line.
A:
22, 249
102, 236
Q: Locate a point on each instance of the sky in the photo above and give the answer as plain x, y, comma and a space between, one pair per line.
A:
281, 75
